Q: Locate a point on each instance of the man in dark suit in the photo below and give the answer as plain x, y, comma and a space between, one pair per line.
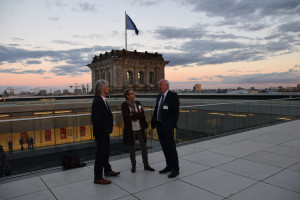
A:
164, 119
102, 120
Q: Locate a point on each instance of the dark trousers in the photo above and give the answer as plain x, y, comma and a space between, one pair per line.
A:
138, 135
102, 156
166, 138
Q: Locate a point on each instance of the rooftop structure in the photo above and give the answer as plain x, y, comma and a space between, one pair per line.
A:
128, 69
258, 164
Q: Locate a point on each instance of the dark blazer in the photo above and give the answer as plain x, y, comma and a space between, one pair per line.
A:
102, 117
170, 111
127, 119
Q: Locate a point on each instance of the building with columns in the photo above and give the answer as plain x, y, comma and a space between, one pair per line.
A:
129, 69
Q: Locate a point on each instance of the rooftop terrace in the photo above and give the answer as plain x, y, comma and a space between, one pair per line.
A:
258, 164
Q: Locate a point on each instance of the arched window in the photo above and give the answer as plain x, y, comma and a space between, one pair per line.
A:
141, 77
151, 78
129, 77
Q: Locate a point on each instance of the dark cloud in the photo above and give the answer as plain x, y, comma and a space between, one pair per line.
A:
205, 52
194, 79
91, 36
146, 2
54, 18
70, 70
14, 55
289, 77
290, 27
245, 9
204, 46
30, 62
66, 42
19, 71
75, 59
252, 26
13, 45
46, 77
85, 7
179, 33
17, 39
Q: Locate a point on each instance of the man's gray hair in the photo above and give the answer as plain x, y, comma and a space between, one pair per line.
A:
165, 80
100, 84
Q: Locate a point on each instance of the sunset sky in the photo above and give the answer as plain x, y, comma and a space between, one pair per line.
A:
216, 43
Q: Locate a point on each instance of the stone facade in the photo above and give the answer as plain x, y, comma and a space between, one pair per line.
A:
129, 69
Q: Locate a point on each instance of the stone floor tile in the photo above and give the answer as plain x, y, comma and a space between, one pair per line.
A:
228, 139
176, 190
21, 187
205, 145
219, 182
88, 190
269, 139
123, 164
273, 159
249, 169
295, 167
286, 179
67, 177
284, 150
42, 195
140, 180
293, 143
155, 157
208, 158
186, 150
130, 197
262, 191
186, 168
252, 144
234, 151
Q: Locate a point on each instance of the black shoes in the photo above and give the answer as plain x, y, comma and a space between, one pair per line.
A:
133, 169
165, 170
148, 168
173, 174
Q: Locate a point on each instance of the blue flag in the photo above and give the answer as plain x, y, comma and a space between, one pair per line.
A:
130, 25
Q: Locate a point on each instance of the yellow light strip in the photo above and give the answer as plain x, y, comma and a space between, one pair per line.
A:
63, 111
283, 118
43, 113
216, 113
4, 115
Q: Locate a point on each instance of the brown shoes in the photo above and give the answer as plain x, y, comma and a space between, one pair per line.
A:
102, 181
111, 173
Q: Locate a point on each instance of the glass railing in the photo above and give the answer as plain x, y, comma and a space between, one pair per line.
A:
53, 135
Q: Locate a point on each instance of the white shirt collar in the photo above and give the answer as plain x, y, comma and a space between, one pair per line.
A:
104, 98
165, 94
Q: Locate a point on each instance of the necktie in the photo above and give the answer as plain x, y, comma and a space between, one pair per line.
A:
160, 108
107, 105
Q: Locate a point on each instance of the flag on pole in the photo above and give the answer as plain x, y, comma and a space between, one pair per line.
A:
130, 25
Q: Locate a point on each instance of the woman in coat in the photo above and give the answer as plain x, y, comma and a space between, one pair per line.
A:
134, 128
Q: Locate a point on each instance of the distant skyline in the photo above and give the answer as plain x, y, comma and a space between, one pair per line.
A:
218, 44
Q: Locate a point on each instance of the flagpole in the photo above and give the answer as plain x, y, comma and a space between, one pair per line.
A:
125, 32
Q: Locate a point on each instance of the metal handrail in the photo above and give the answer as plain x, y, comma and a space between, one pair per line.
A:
117, 112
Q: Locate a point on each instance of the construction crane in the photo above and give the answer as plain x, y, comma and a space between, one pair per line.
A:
76, 88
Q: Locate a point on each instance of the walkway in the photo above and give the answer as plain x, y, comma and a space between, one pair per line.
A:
253, 165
